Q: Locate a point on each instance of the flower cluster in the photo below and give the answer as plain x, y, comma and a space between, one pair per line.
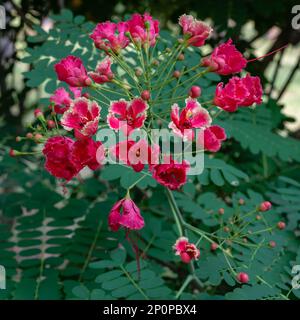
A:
81, 109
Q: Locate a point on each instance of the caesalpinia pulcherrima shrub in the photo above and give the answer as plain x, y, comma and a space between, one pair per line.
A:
68, 132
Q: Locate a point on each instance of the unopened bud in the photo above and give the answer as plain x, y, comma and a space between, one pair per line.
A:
145, 95
51, 124
181, 57
176, 74
138, 72
38, 137
29, 135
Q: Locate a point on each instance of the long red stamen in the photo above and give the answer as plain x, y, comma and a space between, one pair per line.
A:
268, 54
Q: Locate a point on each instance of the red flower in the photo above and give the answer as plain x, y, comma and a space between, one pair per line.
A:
141, 33
103, 72
82, 116
84, 153
62, 99
171, 175
225, 59
127, 115
238, 92
72, 71
195, 31
186, 250
125, 214
212, 138
136, 154
58, 152
108, 35
192, 116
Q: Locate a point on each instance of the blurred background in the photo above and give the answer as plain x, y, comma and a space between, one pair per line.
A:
257, 27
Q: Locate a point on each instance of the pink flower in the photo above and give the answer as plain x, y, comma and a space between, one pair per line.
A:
225, 59
58, 152
238, 92
82, 116
84, 153
103, 72
125, 213
186, 250
195, 31
62, 99
127, 115
191, 116
72, 71
171, 175
108, 35
136, 154
143, 28
212, 138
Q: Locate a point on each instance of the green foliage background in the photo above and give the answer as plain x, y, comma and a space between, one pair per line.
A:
56, 247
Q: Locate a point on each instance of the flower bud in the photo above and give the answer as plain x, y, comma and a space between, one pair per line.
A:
39, 114
265, 206
18, 139
272, 244
13, 153
241, 201
180, 57
195, 92
281, 225
138, 72
29, 135
38, 137
50, 124
176, 74
221, 211
242, 277
214, 246
145, 95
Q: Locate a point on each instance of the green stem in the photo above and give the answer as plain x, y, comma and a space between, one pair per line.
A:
134, 283
187, 281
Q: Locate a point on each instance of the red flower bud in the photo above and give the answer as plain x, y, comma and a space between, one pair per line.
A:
242, 277
241, 201
38, 113
181, 57
214, 246
38, 137
145, 95
221, 211
195, 92
12, 152
51, 124
281, 225
272, 244
29, 135
176, 74
265, 206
